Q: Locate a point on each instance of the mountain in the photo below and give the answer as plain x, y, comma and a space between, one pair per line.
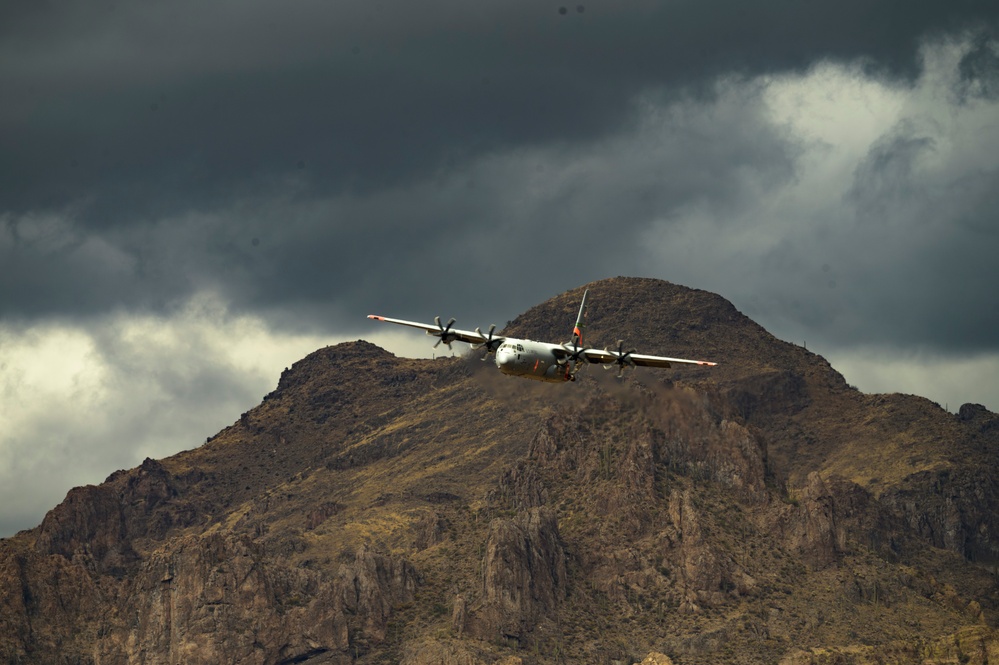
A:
375, 509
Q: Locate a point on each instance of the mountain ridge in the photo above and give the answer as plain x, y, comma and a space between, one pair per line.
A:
382, 509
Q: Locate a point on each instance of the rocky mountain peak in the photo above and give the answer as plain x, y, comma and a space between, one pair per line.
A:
380, 509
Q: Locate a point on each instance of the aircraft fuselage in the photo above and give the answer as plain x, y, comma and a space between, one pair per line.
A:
531, 360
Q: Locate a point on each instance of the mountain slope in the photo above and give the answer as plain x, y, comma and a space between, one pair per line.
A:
377, 509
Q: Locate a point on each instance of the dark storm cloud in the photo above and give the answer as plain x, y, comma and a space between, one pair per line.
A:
979, 68
504, 225
371, 149
144, 111
938, 232
904, 257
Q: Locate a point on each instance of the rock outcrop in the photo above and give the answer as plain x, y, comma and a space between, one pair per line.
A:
524, 576
656, 658
809, 526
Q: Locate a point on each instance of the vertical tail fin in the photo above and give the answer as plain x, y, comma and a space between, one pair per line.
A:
577, 332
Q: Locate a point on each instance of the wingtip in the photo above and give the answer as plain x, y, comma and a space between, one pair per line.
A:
376, 317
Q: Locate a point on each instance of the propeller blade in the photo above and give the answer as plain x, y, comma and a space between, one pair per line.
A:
490, 343
444, 332
622, 358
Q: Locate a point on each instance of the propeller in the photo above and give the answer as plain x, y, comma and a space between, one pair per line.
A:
621, 358
491, 344
577, 355
445, 335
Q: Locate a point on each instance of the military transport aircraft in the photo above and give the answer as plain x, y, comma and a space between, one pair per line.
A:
541, 361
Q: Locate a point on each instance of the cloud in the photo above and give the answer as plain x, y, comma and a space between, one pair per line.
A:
883, 236
789, 194
950, 382
123, 106
78, 401
564, 213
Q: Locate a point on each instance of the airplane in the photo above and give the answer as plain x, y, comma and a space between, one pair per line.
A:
542, 361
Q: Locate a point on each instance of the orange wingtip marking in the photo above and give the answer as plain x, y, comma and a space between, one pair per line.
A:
376, 317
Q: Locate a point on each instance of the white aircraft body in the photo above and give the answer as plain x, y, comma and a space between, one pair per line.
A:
542, 361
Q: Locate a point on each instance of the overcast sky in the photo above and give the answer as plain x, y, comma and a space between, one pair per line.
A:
196, 193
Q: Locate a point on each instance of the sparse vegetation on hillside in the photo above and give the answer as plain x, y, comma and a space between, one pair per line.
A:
374, 509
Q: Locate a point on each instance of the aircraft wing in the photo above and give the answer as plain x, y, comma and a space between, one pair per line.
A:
603, 357
447, 333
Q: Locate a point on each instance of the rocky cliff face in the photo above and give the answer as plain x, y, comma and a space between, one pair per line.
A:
433, 512
523, 579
